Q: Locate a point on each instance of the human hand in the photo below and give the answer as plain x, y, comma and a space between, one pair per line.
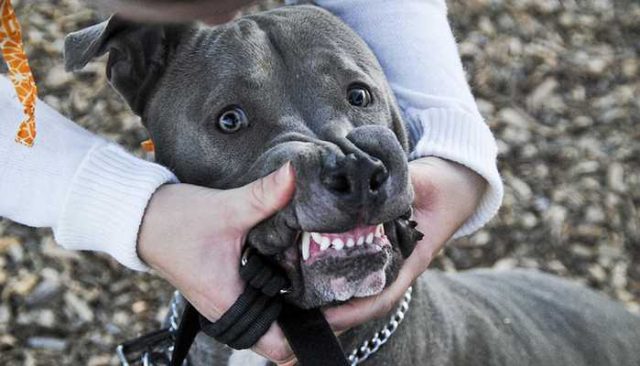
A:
446, 195
209, 11
193, 237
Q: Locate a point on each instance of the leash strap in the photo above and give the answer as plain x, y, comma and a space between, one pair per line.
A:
19, 71
185, 335
311, 337
251, 315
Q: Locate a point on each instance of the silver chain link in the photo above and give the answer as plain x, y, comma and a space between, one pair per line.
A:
173, 322
173, 318
371, 346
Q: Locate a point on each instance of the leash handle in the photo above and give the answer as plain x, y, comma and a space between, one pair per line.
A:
248, 319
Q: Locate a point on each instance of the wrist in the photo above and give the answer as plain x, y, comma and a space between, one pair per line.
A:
106, 201
466, 180
446, 195
156, 223
462, 138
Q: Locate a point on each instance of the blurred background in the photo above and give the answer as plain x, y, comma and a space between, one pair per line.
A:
557, 81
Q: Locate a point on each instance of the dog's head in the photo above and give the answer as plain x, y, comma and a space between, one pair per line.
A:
227, 105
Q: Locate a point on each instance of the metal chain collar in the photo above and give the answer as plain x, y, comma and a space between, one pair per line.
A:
369, 347
356, 357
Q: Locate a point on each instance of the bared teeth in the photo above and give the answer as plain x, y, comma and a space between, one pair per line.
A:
325, 243
379, 231
306, 242
369, 239
347, 239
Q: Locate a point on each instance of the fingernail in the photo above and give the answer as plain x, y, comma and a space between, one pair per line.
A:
282, 175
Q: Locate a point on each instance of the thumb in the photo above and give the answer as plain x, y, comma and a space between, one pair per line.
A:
256, 201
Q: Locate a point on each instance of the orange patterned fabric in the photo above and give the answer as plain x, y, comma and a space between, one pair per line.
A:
148, 146
19, 71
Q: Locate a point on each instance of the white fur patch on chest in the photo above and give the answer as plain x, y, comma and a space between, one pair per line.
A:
246, 357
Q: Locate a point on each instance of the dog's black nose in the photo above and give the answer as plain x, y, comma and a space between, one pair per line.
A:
355, 178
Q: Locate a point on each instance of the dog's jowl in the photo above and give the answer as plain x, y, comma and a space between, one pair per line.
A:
229, 104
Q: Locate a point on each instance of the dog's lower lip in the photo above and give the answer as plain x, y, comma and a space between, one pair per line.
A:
312, 243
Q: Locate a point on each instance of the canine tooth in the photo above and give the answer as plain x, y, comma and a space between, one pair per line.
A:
370, 238
325, 243
350, 243
379, 230
306, 241
360, 240
337, 243
316, 237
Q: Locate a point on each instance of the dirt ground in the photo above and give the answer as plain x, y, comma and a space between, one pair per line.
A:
557, 81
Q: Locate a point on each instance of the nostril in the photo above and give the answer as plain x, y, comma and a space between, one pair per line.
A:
338, 183
378, 178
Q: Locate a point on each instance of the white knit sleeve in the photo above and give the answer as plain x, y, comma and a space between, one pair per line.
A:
91, 192
416, 48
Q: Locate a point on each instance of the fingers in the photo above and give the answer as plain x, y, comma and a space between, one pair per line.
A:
273, 345
258, 200
291, 362
171, 11
219, 18
359, 311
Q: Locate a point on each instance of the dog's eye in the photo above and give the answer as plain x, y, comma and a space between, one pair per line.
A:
232, 119
359, 96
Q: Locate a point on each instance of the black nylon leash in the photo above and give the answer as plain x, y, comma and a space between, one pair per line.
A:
311, 337
261, 303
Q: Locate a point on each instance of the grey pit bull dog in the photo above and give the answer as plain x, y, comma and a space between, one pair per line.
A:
226, 105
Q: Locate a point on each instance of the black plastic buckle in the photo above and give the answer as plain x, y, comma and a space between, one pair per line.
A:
150, 349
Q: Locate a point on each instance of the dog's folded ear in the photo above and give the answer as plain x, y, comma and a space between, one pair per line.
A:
138, 55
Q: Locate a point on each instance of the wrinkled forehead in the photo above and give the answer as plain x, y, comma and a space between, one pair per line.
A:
298, 40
